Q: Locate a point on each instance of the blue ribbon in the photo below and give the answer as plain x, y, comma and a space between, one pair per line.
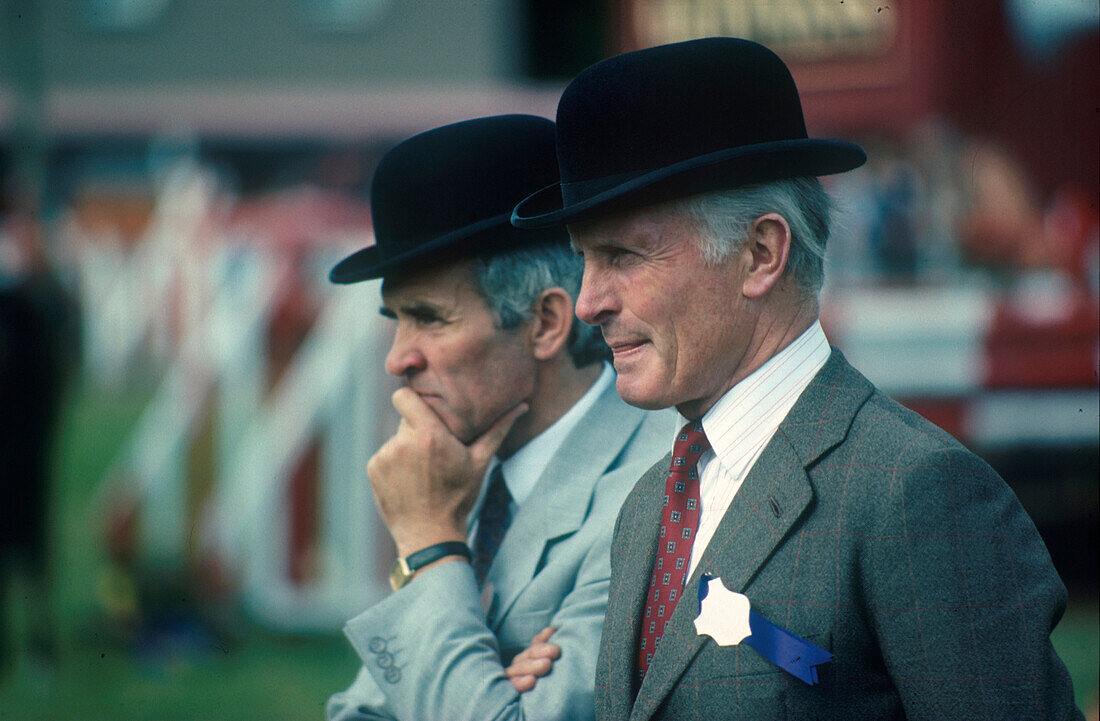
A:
793, 654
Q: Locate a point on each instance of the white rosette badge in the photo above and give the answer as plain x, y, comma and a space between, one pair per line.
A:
728, 618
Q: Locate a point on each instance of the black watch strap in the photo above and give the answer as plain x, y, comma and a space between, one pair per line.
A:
435, 552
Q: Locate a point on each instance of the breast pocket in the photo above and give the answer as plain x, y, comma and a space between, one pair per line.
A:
743, 672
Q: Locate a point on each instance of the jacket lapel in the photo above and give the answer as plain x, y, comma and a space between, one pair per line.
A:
559, 501
640, 523
773, 497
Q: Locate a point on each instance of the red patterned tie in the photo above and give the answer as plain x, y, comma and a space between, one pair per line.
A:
679, 521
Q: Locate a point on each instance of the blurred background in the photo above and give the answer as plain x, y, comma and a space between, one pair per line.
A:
188, 405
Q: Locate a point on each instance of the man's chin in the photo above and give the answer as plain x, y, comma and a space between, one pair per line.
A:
458, 428
650, 399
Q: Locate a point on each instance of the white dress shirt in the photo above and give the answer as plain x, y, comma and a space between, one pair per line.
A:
524, 467
742, 422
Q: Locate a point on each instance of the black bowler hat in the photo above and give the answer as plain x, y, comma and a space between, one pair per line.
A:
676, 120
448, 193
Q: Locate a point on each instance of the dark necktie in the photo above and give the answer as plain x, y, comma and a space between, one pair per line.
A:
492, 523
679, 522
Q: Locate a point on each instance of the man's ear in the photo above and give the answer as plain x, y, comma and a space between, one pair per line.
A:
549, 329
768, 245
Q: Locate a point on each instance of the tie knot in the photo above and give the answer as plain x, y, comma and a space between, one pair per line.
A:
691, 443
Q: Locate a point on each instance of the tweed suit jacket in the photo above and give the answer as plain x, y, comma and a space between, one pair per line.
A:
874, 534
436, 649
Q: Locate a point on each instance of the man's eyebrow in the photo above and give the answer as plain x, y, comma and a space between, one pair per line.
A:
416, 309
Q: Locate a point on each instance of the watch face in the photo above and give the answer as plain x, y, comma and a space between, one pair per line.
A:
400, 574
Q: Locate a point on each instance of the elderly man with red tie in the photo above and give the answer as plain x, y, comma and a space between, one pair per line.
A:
811, 549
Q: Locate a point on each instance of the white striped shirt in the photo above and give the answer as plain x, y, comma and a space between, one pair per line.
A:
742, 422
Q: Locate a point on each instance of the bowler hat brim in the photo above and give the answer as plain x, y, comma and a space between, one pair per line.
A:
561, 203
486, 236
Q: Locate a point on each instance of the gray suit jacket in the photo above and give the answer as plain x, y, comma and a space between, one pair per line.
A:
432, 652
870, 532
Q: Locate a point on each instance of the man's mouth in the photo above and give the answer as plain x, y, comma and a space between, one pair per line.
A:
625, 347
424, 394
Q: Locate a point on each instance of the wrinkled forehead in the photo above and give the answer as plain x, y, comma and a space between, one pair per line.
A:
451, 282
646, 225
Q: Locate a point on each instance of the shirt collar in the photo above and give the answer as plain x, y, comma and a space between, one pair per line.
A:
750, 412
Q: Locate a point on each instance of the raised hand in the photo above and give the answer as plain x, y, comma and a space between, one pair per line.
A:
425, 479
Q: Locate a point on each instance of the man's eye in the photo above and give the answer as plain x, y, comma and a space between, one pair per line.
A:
617, 255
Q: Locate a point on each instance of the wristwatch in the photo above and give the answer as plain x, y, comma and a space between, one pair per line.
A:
404, 568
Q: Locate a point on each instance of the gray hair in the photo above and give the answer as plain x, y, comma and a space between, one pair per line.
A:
725, 217
511, 282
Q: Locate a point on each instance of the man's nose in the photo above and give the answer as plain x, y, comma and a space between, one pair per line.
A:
594, 302
404, 357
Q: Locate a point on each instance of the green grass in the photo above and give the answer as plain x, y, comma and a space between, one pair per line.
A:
1077, 640
260, 675
263, 677
92, 428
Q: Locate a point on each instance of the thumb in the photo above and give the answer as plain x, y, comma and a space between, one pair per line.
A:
484, 446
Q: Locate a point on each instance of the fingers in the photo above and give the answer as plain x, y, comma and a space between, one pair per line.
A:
541, 650
536, 660
533, 662
483, 447
413, 409
524, 673
523, 684
537, 667
544, 635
